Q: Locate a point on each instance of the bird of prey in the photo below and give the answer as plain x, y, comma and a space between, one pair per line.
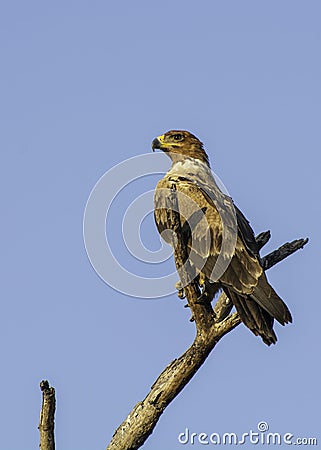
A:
220, 241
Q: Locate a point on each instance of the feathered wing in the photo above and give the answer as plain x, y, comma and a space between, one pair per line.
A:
244, 280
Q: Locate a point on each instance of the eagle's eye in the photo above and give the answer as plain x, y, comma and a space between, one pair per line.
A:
177, 137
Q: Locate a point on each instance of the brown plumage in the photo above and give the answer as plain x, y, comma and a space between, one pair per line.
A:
220, 240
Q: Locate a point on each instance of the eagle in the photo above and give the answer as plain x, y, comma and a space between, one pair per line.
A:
219, 239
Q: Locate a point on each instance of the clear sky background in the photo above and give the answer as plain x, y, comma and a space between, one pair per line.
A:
86, 85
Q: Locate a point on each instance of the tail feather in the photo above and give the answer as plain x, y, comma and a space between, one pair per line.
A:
253, 316
259, 309
268, 299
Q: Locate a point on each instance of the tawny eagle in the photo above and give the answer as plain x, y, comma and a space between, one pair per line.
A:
220, 238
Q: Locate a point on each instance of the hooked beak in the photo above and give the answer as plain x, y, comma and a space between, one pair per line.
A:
155, 144
158, 143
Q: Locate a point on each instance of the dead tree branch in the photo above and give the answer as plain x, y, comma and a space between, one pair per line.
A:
211, 326
283, 252
47, 417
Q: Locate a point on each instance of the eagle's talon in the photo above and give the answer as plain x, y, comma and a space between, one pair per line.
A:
180, 290
201, 280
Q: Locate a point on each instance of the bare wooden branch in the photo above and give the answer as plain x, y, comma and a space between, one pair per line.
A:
134, 431
202, 312
222, 307
47, 417
283, 252
140, 422
263, 238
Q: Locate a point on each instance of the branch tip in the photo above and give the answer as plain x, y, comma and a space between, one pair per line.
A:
44, 385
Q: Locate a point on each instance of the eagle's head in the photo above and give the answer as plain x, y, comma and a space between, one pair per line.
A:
180, 144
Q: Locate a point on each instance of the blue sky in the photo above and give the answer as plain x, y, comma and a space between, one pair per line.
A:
86, 85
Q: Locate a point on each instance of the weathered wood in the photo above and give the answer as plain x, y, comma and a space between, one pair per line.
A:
47, 417
203, 313
283, 252
140, 422
263, 238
